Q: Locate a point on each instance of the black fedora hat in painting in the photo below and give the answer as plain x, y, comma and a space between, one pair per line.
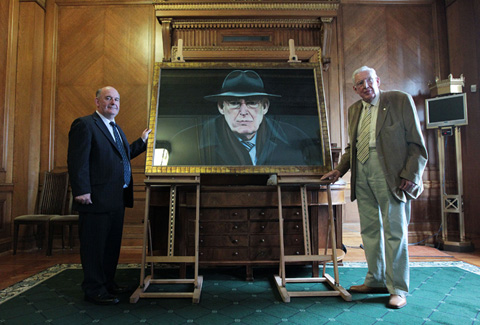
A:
241, 83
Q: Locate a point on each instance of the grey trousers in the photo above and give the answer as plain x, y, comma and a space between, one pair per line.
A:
384, 227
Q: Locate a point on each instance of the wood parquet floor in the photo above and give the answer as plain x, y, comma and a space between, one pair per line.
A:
15, 268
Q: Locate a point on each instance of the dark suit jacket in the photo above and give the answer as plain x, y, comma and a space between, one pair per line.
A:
278, 143
399, 142
213, 143
95, 165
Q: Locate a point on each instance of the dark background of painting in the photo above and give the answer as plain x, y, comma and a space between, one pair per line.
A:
182, 91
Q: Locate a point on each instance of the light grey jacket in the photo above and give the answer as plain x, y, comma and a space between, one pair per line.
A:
399, 142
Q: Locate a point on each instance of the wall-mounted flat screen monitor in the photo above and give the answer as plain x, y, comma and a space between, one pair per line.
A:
449, 110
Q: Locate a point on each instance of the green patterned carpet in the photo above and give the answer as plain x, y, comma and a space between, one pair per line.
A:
441, 293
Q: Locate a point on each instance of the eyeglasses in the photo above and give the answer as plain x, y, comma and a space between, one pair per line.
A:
362, 83
235, 104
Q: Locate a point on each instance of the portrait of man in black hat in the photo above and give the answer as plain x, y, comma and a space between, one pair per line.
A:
244, 135
225, 117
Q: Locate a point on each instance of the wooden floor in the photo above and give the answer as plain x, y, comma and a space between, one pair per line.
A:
15, 268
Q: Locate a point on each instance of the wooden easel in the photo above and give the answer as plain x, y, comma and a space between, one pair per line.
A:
281, 280
146, 281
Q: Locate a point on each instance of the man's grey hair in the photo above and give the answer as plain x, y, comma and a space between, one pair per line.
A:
361, 69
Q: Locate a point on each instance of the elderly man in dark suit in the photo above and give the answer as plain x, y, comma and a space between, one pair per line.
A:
386, 160
101, 180
243, 135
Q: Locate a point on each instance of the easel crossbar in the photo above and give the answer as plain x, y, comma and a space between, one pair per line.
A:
307, 258
170, 259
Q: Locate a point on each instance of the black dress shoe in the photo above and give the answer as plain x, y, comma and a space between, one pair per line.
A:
105, 299
118, 289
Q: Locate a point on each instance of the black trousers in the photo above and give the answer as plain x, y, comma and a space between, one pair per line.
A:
100, 242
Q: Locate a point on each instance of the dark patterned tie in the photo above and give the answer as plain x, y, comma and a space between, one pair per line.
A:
126, 163
248, 145
364, 135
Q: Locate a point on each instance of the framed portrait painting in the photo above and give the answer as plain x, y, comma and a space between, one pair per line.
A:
238, 118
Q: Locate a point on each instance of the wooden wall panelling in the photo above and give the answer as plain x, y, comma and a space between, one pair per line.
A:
464, 52
118, 51
28, 107
8, 60
404, 56
28, 101
4, 47
49, 86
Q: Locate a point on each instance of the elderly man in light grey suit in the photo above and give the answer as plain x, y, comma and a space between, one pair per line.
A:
386, 159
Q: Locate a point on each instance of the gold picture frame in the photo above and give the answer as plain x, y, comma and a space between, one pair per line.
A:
182, 107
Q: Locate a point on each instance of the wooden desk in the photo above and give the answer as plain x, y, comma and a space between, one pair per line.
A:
239, 224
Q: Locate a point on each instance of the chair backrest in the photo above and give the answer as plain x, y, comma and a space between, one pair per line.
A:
54, 193
71, 211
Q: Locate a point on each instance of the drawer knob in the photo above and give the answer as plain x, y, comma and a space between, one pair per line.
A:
235, 214
235, 227
201, 227
262, 213
297, 213
262, 240
201, 241
235, 254
297, 226
235, 241
262, 227
298, 253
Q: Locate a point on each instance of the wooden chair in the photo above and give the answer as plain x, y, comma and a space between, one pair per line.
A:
51, 202
69, 220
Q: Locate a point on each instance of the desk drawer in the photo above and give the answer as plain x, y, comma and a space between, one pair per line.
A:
220, 241
289, 213
274, 240
226, 254
221, 227
263, 227
219, 214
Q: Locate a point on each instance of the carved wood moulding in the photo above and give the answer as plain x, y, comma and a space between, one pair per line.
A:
216, 53
247, 6
246, 23
236, 9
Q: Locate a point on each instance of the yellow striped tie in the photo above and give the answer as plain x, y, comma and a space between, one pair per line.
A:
364, 135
